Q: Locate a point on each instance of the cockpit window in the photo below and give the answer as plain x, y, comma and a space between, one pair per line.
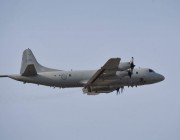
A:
150, 70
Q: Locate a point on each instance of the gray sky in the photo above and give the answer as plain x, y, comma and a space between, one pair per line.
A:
84, 34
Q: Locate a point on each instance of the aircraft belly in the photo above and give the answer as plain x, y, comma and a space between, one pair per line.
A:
125, 81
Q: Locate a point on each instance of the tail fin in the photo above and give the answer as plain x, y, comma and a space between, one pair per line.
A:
30, 66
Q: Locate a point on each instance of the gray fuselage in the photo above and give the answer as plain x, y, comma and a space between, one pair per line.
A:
65, 79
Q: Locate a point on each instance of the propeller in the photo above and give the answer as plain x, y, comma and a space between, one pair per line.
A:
132, 63
130, 71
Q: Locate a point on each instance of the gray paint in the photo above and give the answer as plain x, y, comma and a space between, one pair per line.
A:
109, 78
83, 35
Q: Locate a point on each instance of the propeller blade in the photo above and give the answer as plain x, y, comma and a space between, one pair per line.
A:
130, 73
132, 63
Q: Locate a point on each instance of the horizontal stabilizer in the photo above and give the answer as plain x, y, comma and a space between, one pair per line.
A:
30, 71
3, 75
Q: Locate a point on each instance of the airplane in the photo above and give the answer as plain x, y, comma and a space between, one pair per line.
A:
114, 75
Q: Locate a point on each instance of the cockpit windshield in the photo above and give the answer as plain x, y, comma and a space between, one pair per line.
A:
150, 70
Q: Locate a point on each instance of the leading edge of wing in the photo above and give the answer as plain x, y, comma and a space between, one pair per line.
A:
111, 65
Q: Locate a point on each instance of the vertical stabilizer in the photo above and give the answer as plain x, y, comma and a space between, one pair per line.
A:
30, 66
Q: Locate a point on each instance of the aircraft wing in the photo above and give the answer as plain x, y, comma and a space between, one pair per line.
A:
109, 68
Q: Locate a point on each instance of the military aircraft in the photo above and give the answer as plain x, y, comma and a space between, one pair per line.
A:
114, 75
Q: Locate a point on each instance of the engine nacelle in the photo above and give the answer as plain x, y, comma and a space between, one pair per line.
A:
122, 74
124, 66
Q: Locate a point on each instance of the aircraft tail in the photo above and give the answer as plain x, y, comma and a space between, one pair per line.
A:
30, 66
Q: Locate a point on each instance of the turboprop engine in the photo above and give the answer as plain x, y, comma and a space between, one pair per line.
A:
126, 68
126, 65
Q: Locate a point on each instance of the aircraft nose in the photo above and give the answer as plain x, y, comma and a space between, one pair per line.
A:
161, 77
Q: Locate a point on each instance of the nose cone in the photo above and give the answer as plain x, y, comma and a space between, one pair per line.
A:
161, 77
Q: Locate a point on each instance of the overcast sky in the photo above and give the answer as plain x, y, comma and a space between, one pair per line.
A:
84, 34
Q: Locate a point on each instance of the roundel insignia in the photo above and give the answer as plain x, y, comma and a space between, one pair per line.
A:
64, 76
